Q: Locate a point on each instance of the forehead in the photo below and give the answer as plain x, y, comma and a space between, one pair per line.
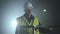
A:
29, 8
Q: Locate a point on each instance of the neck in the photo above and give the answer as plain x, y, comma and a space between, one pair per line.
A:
28, 15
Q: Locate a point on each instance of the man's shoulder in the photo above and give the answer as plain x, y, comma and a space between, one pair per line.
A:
36, 17
19, 17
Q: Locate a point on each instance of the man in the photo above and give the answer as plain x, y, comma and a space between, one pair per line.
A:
27, 20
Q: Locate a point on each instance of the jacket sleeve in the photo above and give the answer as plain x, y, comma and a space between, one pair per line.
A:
16, 31
39, 25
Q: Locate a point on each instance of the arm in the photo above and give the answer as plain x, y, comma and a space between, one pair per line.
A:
16, 32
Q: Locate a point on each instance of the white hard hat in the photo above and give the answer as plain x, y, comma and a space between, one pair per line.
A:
28, 6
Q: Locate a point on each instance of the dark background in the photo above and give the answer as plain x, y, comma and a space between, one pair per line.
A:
11, 9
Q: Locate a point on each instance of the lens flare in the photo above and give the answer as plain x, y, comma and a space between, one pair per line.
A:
14, 24
44, 10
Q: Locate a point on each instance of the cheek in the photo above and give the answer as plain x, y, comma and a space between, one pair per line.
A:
29, 11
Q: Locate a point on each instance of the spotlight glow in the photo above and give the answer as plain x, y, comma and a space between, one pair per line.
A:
44, 10
14, 24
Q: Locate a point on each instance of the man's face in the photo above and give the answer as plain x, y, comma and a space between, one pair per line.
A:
29, 10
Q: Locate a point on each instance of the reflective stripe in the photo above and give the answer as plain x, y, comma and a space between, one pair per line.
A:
31, 23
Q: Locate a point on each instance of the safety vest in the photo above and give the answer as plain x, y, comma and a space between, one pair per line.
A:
22, 21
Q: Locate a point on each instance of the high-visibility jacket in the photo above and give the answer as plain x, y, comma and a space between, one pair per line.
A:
22, 21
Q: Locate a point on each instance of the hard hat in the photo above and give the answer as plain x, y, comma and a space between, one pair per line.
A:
28, 5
